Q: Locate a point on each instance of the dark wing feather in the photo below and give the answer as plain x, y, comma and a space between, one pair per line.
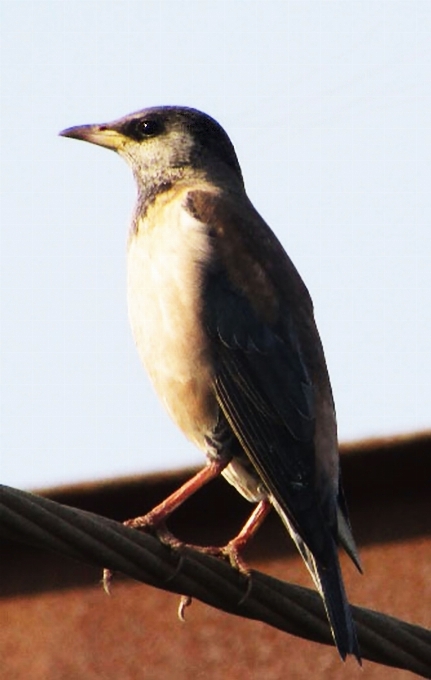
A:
268, 361
265, 393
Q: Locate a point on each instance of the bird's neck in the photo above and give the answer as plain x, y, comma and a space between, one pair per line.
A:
157, 182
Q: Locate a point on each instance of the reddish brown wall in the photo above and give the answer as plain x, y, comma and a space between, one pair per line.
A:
56, 622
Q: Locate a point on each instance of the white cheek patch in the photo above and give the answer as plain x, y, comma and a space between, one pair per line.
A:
156, 155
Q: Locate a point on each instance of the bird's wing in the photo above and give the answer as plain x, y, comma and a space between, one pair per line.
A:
268, 357
264, 392
263, 384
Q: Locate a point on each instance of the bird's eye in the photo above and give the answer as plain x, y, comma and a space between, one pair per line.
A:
140, 129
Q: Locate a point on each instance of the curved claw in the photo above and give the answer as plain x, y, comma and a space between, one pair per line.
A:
232, 552
185, 602
107, 580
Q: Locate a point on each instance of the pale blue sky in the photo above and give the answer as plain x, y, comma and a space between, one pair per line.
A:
328, 105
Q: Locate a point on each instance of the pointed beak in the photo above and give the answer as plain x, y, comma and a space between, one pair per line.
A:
102, 135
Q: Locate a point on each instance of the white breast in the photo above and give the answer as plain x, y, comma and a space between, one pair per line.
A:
166, 260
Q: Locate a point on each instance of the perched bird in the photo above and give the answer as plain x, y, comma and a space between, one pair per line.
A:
224, 326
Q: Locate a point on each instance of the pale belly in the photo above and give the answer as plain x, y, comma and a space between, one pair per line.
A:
166, 263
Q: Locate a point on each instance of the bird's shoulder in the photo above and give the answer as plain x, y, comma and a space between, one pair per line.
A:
253, 301
248, 251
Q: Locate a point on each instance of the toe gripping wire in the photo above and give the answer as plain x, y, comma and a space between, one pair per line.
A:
93, 539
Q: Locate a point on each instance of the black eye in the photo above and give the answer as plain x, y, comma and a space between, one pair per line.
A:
140, 129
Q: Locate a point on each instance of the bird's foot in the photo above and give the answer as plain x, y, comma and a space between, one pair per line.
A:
231, 551
185, 602
143, 523
155, 519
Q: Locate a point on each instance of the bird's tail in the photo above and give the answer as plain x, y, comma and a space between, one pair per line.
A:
329, 583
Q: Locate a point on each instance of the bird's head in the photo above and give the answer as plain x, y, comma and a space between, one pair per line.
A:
166, 143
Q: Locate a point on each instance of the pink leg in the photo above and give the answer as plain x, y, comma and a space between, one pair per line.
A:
233, 549
253, 523
237, 544
158, 514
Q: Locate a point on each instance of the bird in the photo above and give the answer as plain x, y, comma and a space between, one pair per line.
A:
225, 328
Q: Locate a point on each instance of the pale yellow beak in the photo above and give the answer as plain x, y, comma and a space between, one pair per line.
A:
102, 135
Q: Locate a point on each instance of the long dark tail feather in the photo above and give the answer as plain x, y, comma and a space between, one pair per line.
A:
329, 583
345, 535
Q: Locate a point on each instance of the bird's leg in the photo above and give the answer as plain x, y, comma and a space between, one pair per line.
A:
234, 548
157, 516
161, 512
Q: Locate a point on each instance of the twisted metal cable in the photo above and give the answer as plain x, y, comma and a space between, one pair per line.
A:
296, 610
